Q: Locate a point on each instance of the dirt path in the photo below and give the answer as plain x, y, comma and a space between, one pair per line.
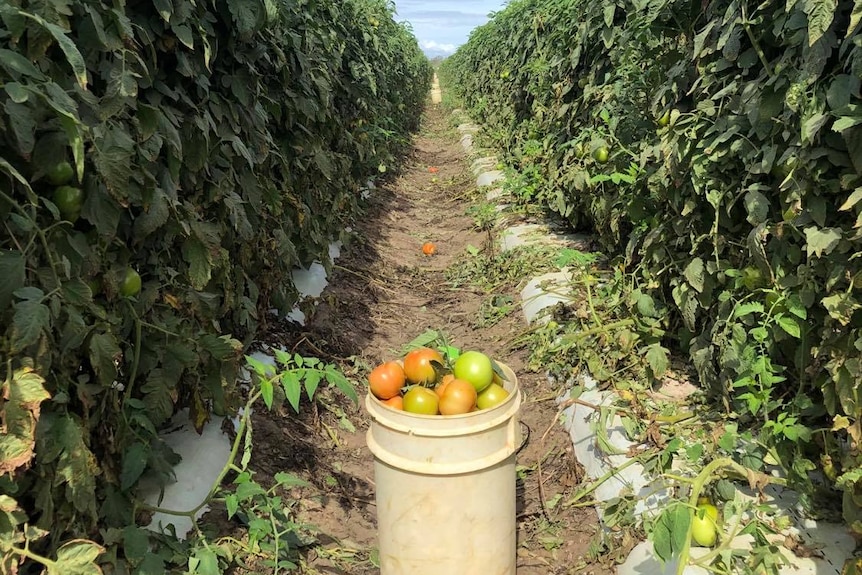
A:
383, 293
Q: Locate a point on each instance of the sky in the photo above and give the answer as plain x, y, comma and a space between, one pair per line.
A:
443, 25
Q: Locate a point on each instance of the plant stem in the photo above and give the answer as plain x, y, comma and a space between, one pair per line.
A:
228, 466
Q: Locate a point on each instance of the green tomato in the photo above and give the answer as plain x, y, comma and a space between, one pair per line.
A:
704, 525
421, 400
664, 120
475, 367
60, 173
493, 395
601, 155
69, 200
130, 283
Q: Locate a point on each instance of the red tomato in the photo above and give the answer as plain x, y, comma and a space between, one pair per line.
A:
386, 380
418, 367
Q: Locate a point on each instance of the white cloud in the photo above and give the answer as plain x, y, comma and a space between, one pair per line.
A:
436, 47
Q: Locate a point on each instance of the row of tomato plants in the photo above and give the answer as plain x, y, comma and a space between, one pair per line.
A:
164, 167
715, 148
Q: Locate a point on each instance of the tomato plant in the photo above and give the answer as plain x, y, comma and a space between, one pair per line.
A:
475, 367
386, 380
419, 365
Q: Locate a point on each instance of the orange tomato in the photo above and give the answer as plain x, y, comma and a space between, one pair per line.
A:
433, 170
444, 382
429, 249
458, 397
418, 366
396, 402
386, 380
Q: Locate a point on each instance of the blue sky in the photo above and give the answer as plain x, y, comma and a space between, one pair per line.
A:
443, 25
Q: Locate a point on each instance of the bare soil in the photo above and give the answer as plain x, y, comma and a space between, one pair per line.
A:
383, 293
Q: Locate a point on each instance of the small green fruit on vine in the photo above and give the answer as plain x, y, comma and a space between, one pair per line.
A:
60, 173
664, 120
704, 525
130, 283
601, 155
69, 200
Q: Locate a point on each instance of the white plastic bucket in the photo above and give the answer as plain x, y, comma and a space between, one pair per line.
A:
445, 488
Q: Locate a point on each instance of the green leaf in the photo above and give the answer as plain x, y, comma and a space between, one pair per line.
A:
17, 65
757, 206
341, 382
789, 325
10, 169
745, 309
30, 319
12, 277
645, 304
266, 391
104, 351
821, 241
821, 13
20, 412
73, 56
841, 307
136, 543
292, 389
184, 35
845, 123
23, 123
694, 274
657, 357
164, 8
261, 369
77, 557
312, 380
247, 490
62, 440
155, 215
841, 90
290, 480
113, 158
101, 210
221, 348
134, 464
246, 15
204, 562
671, 531
231, 503
197, 256
77, 292
855, 19
848, 204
